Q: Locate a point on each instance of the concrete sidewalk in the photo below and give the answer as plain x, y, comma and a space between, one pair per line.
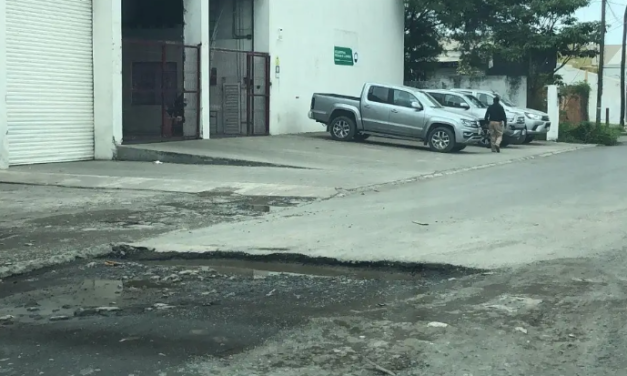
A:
325, 167
319, 151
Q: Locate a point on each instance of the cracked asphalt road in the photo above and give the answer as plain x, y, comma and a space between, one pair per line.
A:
42, 226
226, 317
557, 310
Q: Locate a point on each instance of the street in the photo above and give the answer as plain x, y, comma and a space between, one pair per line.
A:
514, 269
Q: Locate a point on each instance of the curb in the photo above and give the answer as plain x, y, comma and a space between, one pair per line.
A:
139, 154
437, 174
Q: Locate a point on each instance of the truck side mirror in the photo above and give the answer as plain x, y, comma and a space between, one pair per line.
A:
465, 106
416, 106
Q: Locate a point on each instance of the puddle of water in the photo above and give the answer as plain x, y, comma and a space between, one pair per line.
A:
260, 270
65, 300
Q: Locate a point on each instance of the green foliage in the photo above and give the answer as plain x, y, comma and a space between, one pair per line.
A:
422, 39
588, 133
530, 31
581, 89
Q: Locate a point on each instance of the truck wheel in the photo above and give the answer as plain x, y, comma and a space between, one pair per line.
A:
528, 139
459, 147
361, 137
504, 143
342, 128
442, 140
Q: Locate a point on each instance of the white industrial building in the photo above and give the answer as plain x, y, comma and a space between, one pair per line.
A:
80, 77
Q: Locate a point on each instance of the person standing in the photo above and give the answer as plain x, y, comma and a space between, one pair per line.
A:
497, 121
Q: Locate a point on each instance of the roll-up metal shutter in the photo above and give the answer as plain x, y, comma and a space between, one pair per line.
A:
50, 105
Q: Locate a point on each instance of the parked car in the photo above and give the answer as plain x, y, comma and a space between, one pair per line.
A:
396, 112
537, 122
515, 132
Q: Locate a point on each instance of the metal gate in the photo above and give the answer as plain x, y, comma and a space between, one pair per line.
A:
240, 92
161, 91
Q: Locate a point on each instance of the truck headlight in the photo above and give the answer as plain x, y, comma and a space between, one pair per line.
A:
470, 123
533, 116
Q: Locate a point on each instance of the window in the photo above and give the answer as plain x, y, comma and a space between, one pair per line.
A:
149, 79
379, 94
438, 97
453, 101
403, 98
484, 99
427, 99
507, 102
475, 101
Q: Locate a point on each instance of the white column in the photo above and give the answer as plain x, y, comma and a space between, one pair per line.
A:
553, 110
107, 47
196, 32
4, 129
205, 101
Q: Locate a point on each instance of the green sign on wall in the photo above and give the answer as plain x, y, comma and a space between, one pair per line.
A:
343, 56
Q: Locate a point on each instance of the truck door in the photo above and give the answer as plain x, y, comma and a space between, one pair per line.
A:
406, 120
375, 109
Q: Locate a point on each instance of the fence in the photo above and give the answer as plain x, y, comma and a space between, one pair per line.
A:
239, 92
161, 90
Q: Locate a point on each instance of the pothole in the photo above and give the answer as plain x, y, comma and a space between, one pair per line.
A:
61, 302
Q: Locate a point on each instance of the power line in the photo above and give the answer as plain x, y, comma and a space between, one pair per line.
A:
614, 14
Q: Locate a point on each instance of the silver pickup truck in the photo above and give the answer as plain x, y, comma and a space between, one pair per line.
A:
394, 112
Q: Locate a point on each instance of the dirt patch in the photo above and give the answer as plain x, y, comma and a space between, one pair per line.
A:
554, 319
46, 225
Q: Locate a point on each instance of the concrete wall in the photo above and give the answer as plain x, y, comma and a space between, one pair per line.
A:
196, 32
513, 88
262, 26
612, 71
611, 91
304, 51
107, 51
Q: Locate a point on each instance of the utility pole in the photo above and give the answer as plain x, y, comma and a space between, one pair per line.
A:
601, 63
622, 71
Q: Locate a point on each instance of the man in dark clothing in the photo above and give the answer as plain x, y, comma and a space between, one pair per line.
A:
497, 121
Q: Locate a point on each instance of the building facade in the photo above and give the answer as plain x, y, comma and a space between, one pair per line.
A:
80, 77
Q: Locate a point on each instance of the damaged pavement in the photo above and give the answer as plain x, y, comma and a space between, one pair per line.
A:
116, 316
71, 303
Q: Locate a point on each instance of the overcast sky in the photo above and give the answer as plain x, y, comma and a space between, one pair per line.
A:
615, 12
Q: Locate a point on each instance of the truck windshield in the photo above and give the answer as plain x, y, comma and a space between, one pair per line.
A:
475, 101
428, 99
505, 101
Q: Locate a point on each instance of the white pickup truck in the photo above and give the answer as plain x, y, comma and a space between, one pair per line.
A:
394, 112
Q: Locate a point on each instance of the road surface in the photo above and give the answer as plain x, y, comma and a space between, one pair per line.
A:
553, 304
568, 205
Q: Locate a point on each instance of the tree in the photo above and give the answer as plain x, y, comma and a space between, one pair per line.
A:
423, 39
537, 32
430, 23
